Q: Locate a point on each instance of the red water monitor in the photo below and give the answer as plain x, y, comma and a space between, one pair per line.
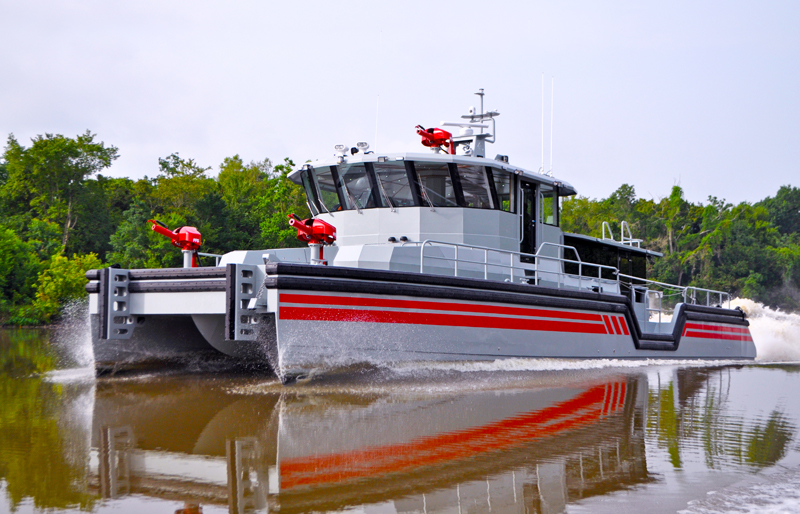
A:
185, 238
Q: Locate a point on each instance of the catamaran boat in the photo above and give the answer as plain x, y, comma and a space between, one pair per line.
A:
441, 255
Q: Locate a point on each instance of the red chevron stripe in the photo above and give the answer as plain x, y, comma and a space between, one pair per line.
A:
329, 300
428, 318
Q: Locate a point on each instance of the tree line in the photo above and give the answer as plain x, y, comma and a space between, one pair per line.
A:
61, 217
748, 250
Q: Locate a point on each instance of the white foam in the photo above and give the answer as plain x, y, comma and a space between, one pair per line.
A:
63, 376
776, 334
544, 364
779, 493
73, 334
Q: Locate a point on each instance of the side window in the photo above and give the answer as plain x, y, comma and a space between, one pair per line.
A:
326, 186
356, 186
639, 266
504, 184
549, 201
435, 183
310, 194
475, 186
394, 184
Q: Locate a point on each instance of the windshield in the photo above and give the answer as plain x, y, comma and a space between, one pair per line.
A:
436, 183
401, 183
475, 186
357, 186
394, 185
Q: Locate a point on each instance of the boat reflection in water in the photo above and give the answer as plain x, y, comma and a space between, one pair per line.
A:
531, 450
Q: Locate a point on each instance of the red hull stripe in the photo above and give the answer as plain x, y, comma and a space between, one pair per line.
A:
717, 328
616, 325
624, 325
327, 300
609, 328
715, 335
585, 408
429, 318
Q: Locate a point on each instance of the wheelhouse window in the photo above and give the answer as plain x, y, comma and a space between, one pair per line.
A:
357, 186
504, 185
475, 186
549, 202
394, 185
436, 184
326, 178
308, 187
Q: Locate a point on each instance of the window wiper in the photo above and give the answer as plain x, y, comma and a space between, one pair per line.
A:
383, 192
425, 196
350, 196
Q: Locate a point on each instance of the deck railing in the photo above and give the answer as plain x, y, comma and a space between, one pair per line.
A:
690, 294
512, 264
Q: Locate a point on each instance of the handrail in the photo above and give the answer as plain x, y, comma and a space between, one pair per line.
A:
628, 240
546, 243
685, 290
216, 255
511, 267
610, 233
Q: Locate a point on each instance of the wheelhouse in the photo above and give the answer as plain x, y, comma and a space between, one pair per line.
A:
458, 199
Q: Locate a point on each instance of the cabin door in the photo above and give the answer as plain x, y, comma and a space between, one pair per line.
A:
528, 219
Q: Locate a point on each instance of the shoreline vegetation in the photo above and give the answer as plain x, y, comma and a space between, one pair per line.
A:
62, 217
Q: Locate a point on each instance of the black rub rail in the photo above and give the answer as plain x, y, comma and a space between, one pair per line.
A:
166, 280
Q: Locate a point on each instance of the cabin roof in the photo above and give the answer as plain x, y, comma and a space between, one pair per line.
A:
617, 244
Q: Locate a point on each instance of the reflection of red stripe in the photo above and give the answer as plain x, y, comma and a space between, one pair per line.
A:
717, 328
711, 335
427, 305
624, 325
616, 325
427, 318
610, 329
580, 410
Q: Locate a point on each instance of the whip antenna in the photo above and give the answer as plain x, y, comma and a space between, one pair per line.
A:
377, 108
541, 168
552, 83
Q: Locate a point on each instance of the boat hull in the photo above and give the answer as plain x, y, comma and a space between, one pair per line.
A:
318, 317
329, 317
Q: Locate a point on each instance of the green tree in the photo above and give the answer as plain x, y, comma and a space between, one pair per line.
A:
19, 267
181, 183
135, 245
281, 199
50, 174
784, 209
62, 281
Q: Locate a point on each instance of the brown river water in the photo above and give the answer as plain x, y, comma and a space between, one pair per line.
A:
522, 436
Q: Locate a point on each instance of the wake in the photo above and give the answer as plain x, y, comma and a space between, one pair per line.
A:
776, 334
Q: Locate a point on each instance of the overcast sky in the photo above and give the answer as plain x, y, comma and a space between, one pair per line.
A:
704, 94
